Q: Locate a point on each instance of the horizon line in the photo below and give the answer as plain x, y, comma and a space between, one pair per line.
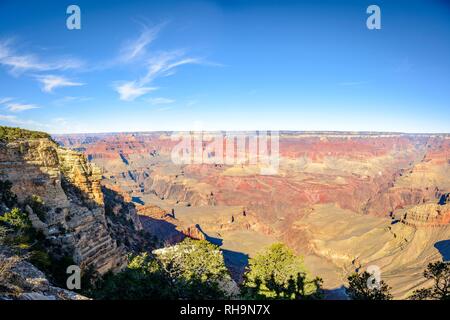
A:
332, 132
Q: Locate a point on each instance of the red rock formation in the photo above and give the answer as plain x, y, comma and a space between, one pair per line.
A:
365, 173
194, 232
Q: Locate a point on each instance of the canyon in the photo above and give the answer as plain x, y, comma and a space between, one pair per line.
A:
342, 200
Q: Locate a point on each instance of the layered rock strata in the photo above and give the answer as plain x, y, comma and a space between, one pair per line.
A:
70, 188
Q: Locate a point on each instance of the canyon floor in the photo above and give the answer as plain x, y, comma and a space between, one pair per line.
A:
344, 201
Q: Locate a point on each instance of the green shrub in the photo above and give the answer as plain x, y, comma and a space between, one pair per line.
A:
197, 268
10, 134
278, 273
195, 259
191, 271
16, 219
143, 279
40, 259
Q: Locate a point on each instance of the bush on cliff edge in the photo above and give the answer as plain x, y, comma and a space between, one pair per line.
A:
10, 134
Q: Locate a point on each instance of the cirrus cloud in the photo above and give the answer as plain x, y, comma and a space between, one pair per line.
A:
19, 63
136, 48
129, 91
160, 100
159, 64
14, 106
51, 82
18, 107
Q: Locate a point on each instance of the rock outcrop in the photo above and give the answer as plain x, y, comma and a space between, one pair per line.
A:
20, 280
70, 187
194, 232
425, 215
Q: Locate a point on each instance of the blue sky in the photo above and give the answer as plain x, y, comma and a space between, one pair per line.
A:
225, 65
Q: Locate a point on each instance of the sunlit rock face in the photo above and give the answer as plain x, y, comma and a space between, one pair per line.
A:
71, 190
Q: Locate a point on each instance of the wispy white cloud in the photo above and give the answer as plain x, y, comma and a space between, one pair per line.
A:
62, 125
18, 107
51, 82
136, 48
14, 106
164, 108
159, 64
190, 103
5, 100
63, 122
18, 63
10, 119
52, 125
164, 64
70, 99
129, 91
160, 100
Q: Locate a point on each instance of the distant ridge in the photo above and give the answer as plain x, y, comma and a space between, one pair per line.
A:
282, 132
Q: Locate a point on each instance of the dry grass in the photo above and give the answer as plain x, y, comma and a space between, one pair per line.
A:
7, 276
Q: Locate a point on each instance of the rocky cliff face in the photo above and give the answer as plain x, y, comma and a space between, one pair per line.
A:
20, 280
426, 215
75, 220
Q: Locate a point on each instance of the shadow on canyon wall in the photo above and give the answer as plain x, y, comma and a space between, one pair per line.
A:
444, 249
235, 261
168, 234
165, 231
137, 200
338, 293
